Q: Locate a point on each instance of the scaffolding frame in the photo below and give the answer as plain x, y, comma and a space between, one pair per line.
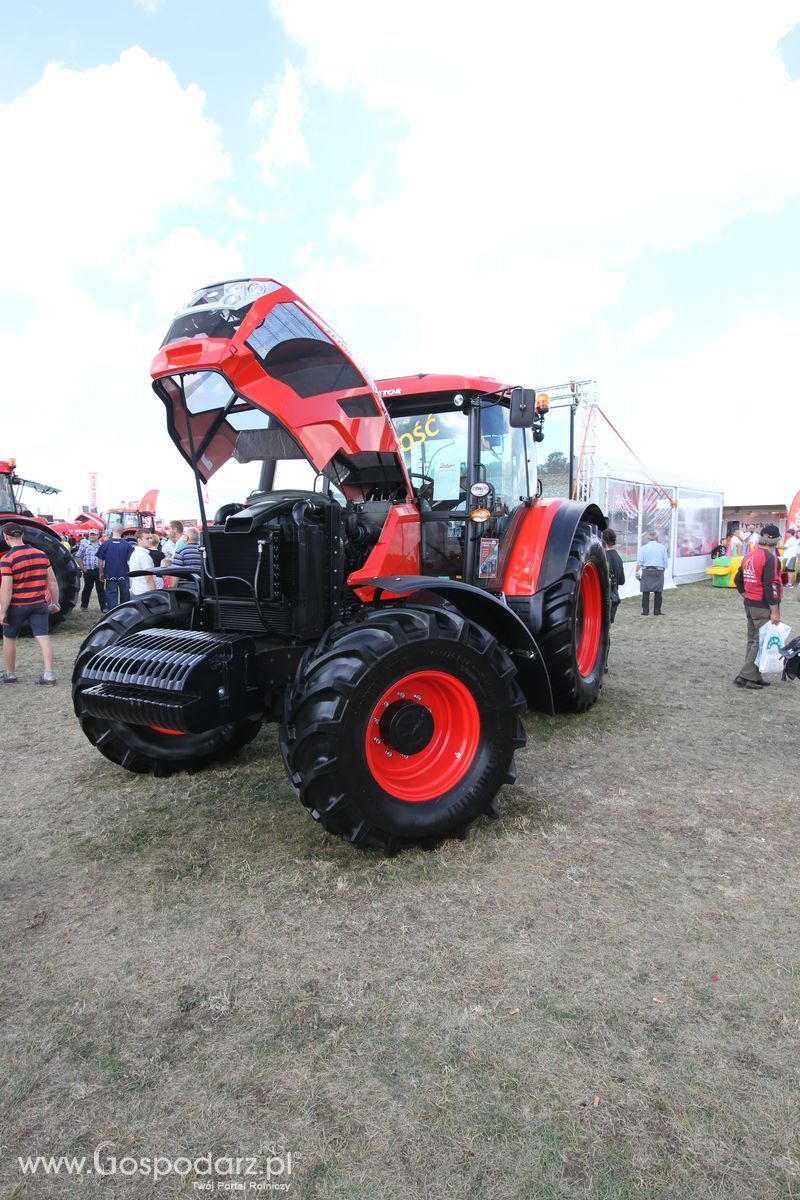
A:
580, 396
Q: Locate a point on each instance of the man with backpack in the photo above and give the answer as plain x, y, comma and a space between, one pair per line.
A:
758, 580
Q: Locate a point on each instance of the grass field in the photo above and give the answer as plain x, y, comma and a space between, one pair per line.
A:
594, 996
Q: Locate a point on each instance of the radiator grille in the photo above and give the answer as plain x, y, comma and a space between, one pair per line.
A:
158, 658
242, 615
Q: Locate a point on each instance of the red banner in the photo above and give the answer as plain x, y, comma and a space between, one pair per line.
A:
793, 511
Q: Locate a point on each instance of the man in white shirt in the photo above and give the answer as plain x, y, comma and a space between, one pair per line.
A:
140, 560
650, 567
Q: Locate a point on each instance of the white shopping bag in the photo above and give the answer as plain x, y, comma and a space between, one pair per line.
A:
770, 640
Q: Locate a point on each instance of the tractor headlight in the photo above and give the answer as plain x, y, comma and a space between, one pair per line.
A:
232, 294
479, 490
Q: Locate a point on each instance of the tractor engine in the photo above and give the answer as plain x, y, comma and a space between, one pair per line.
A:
280, 564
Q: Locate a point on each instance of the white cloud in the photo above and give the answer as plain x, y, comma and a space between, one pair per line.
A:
545, 148
654, 325
575, 120
97, 167
285, 145
236, 209
725, 411
302, 255
99, 178
88, 410
363, 188
185, 260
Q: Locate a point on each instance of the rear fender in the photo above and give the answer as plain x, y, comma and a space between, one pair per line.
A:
542, 545
32, 523
485, 610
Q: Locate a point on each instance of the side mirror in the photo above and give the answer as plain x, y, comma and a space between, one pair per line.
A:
522, 409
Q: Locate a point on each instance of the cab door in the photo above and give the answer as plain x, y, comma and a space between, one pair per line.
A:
464, 462
505, 479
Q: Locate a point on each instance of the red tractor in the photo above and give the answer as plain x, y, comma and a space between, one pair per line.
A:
133, 516
396, 616
73, 531
38, 533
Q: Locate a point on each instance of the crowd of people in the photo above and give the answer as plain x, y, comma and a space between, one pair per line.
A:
744, 540
113, 568
769, 564
110, 567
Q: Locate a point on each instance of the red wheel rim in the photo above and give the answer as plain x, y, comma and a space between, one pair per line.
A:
171, 732
590, 619
448, 755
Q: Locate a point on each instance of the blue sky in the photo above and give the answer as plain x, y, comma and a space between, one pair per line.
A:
588, 191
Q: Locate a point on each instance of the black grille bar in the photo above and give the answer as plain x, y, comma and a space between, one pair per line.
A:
138, 706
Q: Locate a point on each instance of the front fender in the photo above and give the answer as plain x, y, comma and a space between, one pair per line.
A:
542, 544
487, 611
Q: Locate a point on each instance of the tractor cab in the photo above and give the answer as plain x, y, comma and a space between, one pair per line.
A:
131, 520
473, 473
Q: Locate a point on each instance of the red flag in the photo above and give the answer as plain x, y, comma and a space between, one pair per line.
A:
793, 519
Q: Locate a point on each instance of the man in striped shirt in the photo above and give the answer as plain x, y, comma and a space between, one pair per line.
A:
28, 593
190, 555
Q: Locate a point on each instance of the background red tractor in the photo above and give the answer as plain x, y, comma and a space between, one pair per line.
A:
133, 516
73, 531
38, 533
396, 615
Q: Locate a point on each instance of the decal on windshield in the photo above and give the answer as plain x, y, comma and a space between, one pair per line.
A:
419, 434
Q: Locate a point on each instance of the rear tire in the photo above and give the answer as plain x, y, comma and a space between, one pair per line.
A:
575, 624
453, 696
139, 748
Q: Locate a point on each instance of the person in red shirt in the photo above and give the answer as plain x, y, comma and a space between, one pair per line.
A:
28, 594
759, 581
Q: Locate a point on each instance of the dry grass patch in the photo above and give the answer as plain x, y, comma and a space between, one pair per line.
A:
594, 996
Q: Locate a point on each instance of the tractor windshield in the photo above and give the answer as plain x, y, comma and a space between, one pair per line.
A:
435, 451
434, 446
131, 520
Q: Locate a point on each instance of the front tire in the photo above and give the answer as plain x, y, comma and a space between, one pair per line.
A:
140, 748
402, 727
575, 624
